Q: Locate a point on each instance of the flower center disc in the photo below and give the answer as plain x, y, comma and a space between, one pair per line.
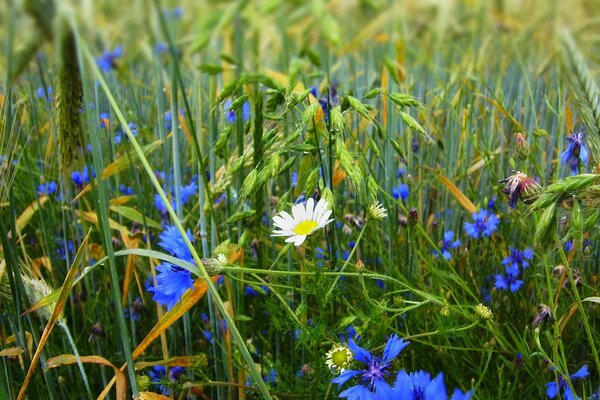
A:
340, 358
305, 227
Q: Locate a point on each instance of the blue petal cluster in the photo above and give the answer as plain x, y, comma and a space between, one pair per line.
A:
172, 281
230, 114
575, 152
484, 224
447, 244
554, 387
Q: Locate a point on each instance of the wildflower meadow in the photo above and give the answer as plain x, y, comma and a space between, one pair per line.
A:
323, 199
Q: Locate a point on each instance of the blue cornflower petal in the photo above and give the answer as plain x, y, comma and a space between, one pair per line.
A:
345, 377
360, 354
582, 373
459, 395
393, 347
171, 284
172, 241
358, 392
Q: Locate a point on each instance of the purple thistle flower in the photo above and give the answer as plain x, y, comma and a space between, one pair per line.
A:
553, 388
575, 152
373, 377
484, 224
520, 186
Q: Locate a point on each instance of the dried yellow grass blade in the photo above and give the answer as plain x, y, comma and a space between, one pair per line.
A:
11, 352
152, 396
130, 243
458, 194
183, 361
93, 218
29, 212
68, 359
65, 290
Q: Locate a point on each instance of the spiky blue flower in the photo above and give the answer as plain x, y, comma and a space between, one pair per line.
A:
518, 257
373, 383
172, 281
554, 387
107, 60
47, 188
419, 386
158, 376
575, 152
510, 280
484, 224
401, 191
447, 244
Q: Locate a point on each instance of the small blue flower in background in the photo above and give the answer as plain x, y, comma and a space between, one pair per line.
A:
518, 257
230, 114
553, 388
373, 384
447, 244
126, 190
44, 94
107, 61
63, 248
250, 291
575, 152
484, 224
104, 120
401, 191
294, 180
509, 280
185, 192
82, 177
158, 375
134, 309
46, 189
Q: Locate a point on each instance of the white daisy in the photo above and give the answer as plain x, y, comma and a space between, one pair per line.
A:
338, 359
305, 219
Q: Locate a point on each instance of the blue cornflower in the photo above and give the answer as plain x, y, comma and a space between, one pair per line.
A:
104, 120
126, 190
158, 376
373, 377
172, 241
134, 309
419, 386
185, 191
518, 257
47, 188
575, 152
509, 280
552, 388
484, 224
294, 180
107, 60
401, 191
250, 291
230, 114
65, 247
118, 138
82, 177
44, 93
447, 244
171, 283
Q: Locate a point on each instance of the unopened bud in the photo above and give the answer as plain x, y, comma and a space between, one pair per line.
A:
521, 146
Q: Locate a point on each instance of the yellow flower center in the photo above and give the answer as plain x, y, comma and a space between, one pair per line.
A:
305, 227
340, 358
